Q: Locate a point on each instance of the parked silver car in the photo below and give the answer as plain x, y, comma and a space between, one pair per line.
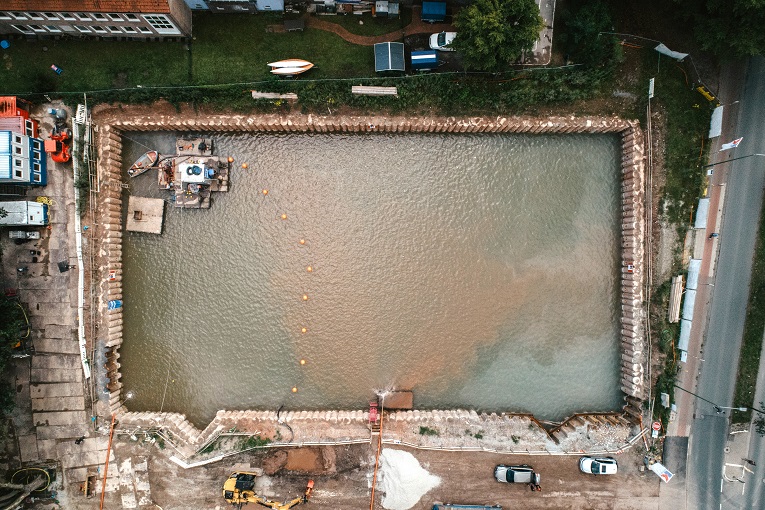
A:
517, 474
442, 41
598, 465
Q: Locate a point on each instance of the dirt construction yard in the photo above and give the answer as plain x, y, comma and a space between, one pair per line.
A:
343, 474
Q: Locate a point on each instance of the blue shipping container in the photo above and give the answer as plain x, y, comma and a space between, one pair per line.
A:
433, 12
424, 60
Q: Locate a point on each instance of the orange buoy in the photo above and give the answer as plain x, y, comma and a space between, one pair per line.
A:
265, 192
294, 389
284, 216
230, 159
244, 165
302, 241
302, 362
304, 330
309, 269
305, 297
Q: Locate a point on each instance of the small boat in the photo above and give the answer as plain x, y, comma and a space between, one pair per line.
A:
290, 67
291, 62
143, 163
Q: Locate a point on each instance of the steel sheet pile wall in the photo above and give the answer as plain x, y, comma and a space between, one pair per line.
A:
351, 426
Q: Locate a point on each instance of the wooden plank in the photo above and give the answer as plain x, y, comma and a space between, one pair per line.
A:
365, 90
274, 95
675, 297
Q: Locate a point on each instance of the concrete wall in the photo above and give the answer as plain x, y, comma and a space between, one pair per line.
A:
110, 127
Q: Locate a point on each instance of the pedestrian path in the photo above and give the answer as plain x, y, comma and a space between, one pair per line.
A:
417, 26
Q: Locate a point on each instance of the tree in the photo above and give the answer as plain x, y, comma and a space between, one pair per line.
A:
584, 37
730, 28
492, 34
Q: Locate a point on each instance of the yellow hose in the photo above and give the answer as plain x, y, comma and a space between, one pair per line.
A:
33, 469
29, 329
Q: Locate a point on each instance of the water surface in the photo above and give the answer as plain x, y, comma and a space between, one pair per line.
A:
478, 270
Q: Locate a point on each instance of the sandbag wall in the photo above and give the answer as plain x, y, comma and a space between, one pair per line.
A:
111, 125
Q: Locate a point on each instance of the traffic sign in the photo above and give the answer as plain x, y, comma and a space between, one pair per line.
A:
656, 425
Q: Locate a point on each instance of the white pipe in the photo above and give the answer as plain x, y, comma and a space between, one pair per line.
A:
80, 265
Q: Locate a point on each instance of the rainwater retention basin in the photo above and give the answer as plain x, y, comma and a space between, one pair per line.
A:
480, 270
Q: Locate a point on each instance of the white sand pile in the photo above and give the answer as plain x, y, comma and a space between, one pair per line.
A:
403, 480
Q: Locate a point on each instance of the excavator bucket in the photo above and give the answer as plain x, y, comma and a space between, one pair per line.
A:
309, 489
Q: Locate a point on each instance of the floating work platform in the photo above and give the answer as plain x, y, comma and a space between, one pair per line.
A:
193, 174
145, 214
195, 178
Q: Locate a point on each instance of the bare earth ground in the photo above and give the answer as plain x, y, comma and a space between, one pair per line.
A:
343, 475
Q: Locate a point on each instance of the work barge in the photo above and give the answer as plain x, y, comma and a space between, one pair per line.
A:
590, 432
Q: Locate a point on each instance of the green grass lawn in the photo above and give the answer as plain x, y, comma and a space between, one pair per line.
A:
220, 58
226, 49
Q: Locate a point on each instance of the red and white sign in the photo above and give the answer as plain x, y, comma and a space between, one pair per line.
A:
656, 425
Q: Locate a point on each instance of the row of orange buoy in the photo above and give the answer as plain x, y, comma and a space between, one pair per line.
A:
309, 269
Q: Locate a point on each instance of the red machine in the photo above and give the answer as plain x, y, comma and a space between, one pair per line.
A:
57, 148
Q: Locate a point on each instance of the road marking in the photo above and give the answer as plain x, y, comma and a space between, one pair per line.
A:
721, 487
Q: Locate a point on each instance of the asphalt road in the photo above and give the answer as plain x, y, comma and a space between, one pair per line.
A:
745, 179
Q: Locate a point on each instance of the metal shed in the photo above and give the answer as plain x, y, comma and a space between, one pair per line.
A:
433, 12
389, 56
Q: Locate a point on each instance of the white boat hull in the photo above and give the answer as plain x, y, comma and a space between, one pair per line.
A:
291, 62
290, 71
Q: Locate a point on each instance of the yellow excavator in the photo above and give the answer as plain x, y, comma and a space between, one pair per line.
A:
239, 490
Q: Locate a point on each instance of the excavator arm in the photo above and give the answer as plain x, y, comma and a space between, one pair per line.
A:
239, 490
276, 505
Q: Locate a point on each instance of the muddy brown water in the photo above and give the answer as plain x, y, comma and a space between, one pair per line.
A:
481, 271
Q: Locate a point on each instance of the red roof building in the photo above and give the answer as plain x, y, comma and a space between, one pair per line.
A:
115, 19
14, 116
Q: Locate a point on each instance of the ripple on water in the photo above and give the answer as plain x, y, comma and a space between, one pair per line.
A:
479, 270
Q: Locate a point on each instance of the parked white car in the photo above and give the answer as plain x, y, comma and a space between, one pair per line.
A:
442, 41
598, 465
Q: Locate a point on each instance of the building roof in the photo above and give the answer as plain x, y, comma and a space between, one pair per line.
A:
389, 56
10, 106
142, 6
15, 124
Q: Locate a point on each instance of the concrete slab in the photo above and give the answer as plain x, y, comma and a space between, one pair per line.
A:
91, 458
58, 404
28, 448
56, 375
76, 475
89, 444
129, 500
145, 214
55, 390
56, 331
57, 346
62, 432
56, 310
21, 415
46, 448
48, 361
67, 418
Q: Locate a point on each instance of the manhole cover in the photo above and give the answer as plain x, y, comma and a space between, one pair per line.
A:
726, 449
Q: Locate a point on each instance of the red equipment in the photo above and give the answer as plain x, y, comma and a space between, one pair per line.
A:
58, 150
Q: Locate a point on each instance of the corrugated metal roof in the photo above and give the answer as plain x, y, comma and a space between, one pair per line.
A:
5, 142
15, 124
145, 6
389, 56
5, 166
